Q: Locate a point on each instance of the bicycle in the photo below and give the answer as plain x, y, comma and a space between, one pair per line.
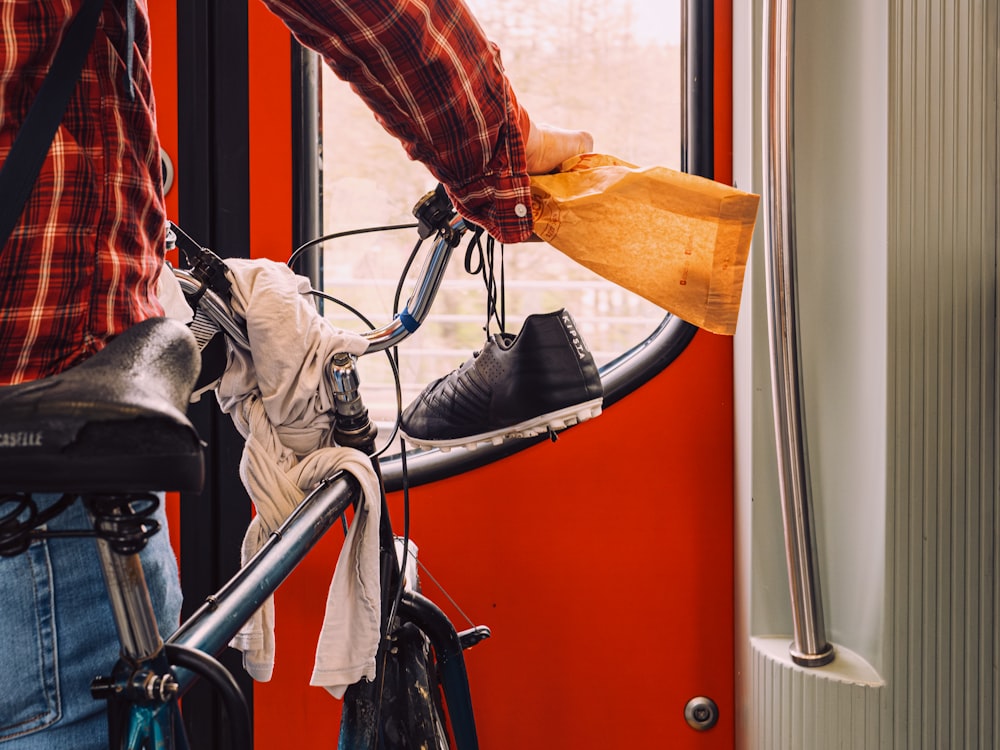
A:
112, 431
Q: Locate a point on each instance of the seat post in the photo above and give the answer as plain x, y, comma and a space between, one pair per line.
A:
142, 676
131, 605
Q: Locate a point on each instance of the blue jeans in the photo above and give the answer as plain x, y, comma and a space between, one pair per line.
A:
57, 634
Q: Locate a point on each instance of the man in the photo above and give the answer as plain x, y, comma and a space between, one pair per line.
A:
81, 264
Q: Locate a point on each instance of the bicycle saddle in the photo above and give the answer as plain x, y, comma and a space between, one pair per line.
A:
113, 424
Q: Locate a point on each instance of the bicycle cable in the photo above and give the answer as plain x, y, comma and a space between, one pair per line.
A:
444, 591
391, 353
403, 558
346, 233
397, 598
486, 268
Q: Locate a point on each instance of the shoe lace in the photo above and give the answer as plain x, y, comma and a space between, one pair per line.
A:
480, 261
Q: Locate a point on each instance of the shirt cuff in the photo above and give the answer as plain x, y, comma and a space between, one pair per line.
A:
500, 200
500, 205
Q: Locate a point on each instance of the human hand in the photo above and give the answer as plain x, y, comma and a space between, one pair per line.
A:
547, 147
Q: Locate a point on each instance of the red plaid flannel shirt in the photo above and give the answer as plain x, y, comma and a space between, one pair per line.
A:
81, 264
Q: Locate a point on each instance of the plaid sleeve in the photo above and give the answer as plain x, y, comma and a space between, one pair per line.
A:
433, 80
82, 261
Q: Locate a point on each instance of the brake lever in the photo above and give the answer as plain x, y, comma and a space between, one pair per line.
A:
204, 265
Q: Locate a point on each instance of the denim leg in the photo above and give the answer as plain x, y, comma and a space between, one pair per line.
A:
58, 634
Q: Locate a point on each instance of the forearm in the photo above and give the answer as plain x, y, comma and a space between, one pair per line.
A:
433, 80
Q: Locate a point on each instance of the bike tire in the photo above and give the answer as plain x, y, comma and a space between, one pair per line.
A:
407, 700
418, 706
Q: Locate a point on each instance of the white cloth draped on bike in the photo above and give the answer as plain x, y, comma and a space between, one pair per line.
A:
281, 402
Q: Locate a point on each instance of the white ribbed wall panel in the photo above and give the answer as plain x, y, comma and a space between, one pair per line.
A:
942, 509
933, 645
830, 707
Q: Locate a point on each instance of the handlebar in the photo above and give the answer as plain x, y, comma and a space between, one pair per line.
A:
423, 295
205, 282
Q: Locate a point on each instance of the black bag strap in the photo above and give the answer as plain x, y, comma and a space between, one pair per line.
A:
27, 154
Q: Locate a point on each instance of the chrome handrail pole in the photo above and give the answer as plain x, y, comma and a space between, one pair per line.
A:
809, 646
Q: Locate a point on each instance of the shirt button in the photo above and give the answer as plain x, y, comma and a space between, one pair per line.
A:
521, 210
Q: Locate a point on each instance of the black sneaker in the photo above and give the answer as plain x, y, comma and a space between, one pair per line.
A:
518, 386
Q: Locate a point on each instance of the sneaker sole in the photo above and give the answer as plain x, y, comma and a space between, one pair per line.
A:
554, 421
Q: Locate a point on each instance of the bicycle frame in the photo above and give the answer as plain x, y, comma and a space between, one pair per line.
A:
210, 628
216, 622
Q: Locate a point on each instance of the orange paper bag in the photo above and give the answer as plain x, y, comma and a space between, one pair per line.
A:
679, 240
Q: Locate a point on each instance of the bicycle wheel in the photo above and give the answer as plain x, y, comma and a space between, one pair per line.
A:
413, 713
408, 704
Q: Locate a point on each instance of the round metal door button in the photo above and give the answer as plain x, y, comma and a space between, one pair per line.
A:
701, 713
